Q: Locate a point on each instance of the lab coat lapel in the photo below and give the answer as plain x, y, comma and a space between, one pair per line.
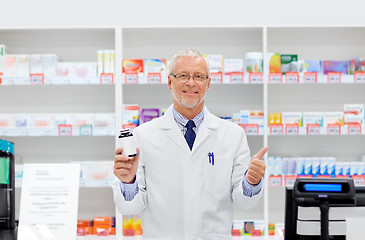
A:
205, 129
172, 131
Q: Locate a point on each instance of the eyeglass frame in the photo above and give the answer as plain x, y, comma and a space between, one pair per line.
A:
193, 76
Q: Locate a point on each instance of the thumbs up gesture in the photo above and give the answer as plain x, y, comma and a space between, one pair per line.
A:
256, 169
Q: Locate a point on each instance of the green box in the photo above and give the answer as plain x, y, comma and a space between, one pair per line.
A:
289, 63
4, 170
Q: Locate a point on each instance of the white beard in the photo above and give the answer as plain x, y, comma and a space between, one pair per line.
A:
184, 103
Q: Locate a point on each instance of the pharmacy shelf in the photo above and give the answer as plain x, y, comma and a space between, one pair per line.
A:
54, 81
314, 78
60, 131
313, 130
236, 78
114, 237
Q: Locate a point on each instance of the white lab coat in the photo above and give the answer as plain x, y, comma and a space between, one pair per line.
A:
181, 194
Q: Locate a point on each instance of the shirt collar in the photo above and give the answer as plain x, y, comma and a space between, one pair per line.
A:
180, 119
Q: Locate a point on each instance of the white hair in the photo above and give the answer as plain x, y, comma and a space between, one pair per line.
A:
187, 53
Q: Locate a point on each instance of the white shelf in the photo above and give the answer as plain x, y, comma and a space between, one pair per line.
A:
39, 132
53, 81
322, 131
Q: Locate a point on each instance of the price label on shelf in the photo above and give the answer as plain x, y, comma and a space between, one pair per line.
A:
342, 176
276, 129
236, 77
292, 77
275, 78
86, 130
334, 129
255, 77
64, 130
291, 129
275, 181
359, 77
154, 78
334, 77
359, 180
106, 78
251, 129
216, 77
354, 129
256, 233
313, 129
37, 79
131, 78
289, 180
310, 77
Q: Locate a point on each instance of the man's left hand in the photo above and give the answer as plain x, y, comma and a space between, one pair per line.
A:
256, 169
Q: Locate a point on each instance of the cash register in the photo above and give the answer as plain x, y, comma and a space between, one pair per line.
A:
318, 208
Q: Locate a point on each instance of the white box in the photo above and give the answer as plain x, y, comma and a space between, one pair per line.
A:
155, 66
233, 65
215, 63
91, 69
23, 120
312, 118
83, 119
112, 61
7, 120
291, 118
130, 114
49, 62
22, 66
36, 63
63, 69
106, 58
10, 66
1, 65
353, 118
104, 120
100, 61
63, 119
43, 120
244, 116
256, 117
357, 109
332, 118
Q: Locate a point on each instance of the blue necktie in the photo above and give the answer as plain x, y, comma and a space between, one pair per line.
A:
190, 134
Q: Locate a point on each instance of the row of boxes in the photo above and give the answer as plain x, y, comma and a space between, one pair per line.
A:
255, 228
352, 114
49, 120
101, 226
314, 166
92, 173
23, 65
133, 115
283, 63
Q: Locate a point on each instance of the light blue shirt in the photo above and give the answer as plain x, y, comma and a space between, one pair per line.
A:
129, 190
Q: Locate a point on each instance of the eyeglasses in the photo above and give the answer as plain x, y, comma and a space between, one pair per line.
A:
184, 77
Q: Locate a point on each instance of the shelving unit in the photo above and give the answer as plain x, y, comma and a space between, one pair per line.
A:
222, 99
69, 45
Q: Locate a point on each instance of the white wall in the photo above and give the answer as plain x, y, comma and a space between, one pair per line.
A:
106, 13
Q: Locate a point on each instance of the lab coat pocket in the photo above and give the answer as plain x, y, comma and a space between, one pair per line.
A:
218, 174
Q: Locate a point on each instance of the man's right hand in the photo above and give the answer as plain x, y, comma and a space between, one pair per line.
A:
125, 168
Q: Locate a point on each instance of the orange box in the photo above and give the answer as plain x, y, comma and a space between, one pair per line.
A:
102, 226
274, 118
132, 225
132, 66
84, 227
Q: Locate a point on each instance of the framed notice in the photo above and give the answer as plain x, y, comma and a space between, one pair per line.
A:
49, 201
